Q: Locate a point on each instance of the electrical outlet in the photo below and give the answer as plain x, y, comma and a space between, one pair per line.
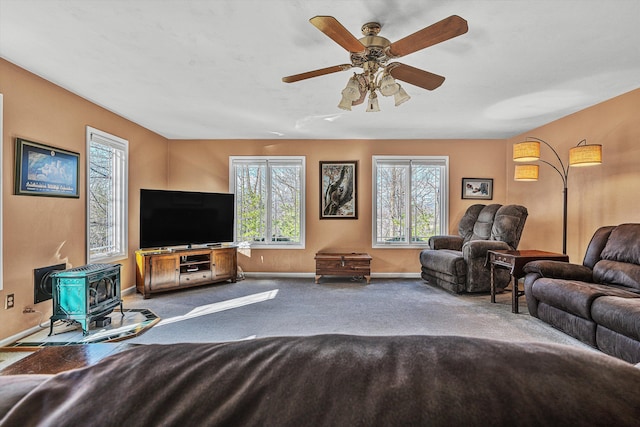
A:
10, 302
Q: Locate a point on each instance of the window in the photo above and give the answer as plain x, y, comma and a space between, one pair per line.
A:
270, 200
107, 183
410, 201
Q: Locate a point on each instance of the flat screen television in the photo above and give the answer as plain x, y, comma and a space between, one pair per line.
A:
177, 218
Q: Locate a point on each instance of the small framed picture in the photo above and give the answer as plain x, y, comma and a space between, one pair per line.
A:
477, 188
42, 170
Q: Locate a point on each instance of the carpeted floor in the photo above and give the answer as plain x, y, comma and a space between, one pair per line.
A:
297, 306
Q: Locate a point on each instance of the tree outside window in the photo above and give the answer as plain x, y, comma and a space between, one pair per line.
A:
409, 201
107, 182
269, 194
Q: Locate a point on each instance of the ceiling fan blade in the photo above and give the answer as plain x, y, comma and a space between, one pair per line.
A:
316, 73
415, 76
446, 29
338, 33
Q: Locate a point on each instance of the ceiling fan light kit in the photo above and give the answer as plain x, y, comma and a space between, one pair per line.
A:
372, 53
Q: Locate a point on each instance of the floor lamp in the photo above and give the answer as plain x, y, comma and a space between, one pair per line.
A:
582, 154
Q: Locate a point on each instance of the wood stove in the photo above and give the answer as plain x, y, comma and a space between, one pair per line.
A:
85, 294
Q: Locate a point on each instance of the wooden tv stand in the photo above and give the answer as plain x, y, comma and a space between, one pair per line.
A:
165, 270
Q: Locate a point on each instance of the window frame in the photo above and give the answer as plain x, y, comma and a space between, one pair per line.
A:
122, 206
442, 161
1, 209
298, 160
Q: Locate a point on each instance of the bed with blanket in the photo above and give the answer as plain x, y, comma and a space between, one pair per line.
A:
333, 380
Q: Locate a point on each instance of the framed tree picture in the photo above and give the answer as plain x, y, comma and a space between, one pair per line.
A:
338, 190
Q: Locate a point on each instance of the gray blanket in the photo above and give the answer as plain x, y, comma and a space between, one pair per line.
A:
335, 380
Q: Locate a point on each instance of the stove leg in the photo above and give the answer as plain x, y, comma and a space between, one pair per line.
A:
84, 324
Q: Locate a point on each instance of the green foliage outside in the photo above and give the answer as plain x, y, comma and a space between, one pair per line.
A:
282, 222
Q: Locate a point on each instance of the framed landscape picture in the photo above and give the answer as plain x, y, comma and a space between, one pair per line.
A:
477, 188
42, 170
338, 190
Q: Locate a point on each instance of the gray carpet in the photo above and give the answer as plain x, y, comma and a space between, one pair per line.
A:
278, 307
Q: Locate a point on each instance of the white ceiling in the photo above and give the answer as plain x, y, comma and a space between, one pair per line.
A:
212, 69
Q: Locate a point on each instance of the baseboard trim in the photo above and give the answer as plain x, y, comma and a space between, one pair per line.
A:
275, 275
395, 275
129, 290
12, 339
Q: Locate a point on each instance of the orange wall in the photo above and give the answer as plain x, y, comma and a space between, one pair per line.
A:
606, 194
204, 166
42, 231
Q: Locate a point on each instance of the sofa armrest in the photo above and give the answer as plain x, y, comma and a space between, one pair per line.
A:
559, 270
478, 248
446, 242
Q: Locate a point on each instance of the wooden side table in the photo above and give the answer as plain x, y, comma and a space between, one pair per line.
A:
343, 264
514, 261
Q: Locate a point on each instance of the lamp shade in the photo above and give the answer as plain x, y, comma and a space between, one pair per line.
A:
352, 90
527, 151
585, 155
372, 105
388, 85
526, 173
345, 103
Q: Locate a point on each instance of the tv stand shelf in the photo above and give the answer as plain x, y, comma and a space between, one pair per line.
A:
159, 271
195, 263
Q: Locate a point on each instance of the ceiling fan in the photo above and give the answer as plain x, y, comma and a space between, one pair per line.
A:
372, 53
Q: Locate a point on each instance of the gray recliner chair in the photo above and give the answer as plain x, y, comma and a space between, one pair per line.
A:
458, 263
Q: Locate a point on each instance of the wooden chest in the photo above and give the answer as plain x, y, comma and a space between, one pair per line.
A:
343, 264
